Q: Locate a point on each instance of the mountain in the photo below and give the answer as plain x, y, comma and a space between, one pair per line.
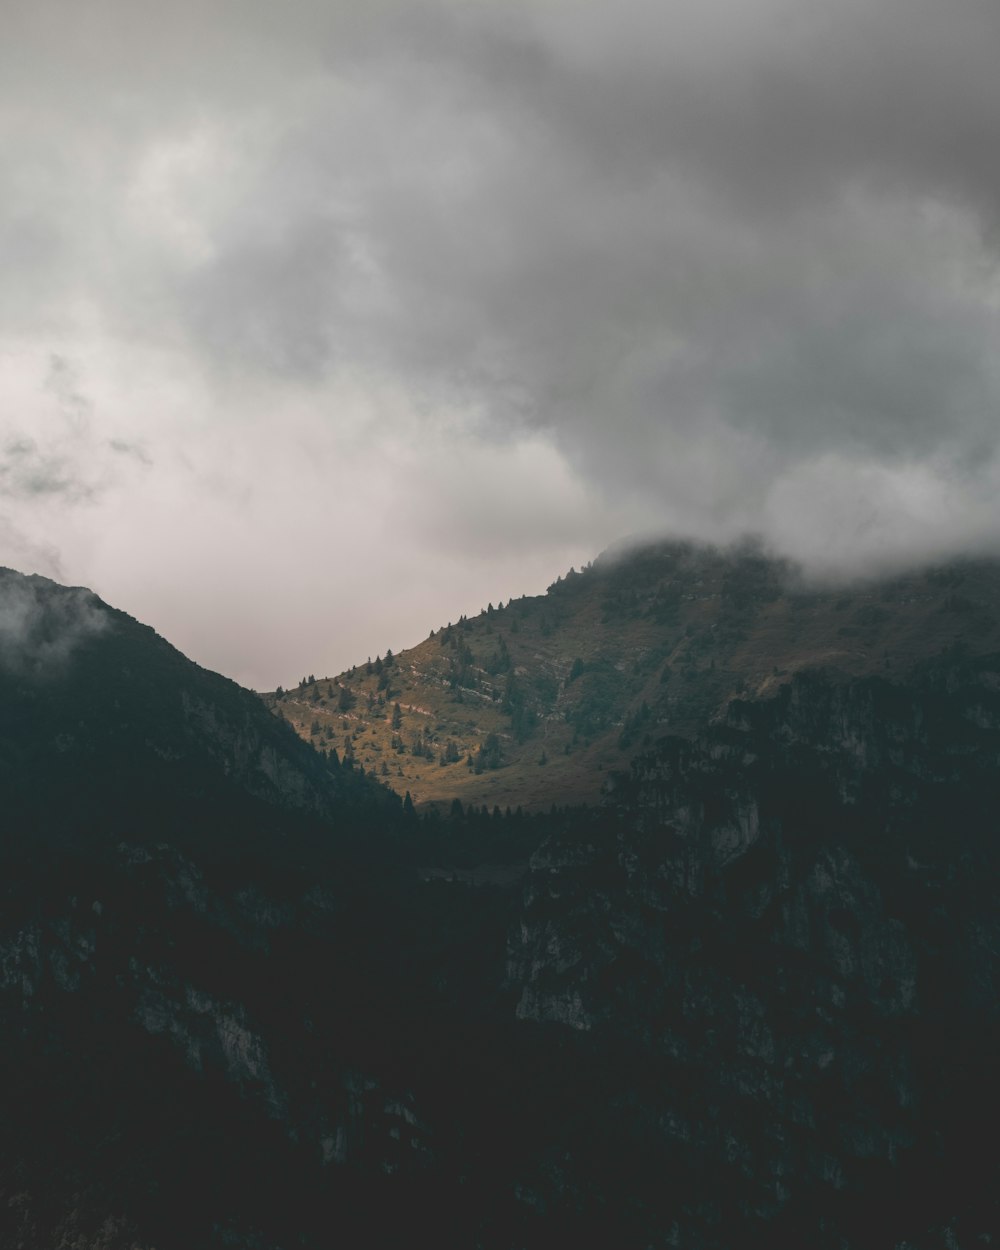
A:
541, 700
107, 730
250, 1001
167, 851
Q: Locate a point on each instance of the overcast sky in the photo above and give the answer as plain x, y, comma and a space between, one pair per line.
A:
323, 322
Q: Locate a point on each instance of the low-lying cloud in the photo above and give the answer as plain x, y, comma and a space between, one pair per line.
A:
42, 625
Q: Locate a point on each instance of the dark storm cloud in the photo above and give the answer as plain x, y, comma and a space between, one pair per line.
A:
644, 227
273, 301
440, 279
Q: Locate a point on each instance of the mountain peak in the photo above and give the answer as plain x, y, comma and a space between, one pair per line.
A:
143, 737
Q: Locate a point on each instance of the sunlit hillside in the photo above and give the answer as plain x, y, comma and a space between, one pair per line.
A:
536, 701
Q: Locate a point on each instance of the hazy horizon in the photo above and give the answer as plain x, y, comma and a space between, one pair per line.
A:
326, 323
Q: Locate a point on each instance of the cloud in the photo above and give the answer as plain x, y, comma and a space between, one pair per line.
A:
402, 291
640, 234
22, 551
41, 625
49, 451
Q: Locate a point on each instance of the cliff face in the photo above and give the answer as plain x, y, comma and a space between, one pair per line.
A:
791, 926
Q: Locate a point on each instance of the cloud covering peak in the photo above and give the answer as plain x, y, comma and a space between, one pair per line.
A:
41, 625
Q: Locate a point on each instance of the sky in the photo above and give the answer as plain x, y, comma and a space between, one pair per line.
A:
322, 322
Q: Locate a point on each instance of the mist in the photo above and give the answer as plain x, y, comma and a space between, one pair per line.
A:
40, 631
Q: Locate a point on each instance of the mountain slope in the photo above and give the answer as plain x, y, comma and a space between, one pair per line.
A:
642, 643
183, 884
105, 728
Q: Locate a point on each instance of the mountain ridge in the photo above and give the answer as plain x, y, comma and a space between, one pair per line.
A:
122, 712
542, 699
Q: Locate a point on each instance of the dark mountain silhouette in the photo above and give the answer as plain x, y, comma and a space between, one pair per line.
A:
107, 730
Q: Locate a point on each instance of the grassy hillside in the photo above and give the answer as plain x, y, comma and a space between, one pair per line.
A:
535, 702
